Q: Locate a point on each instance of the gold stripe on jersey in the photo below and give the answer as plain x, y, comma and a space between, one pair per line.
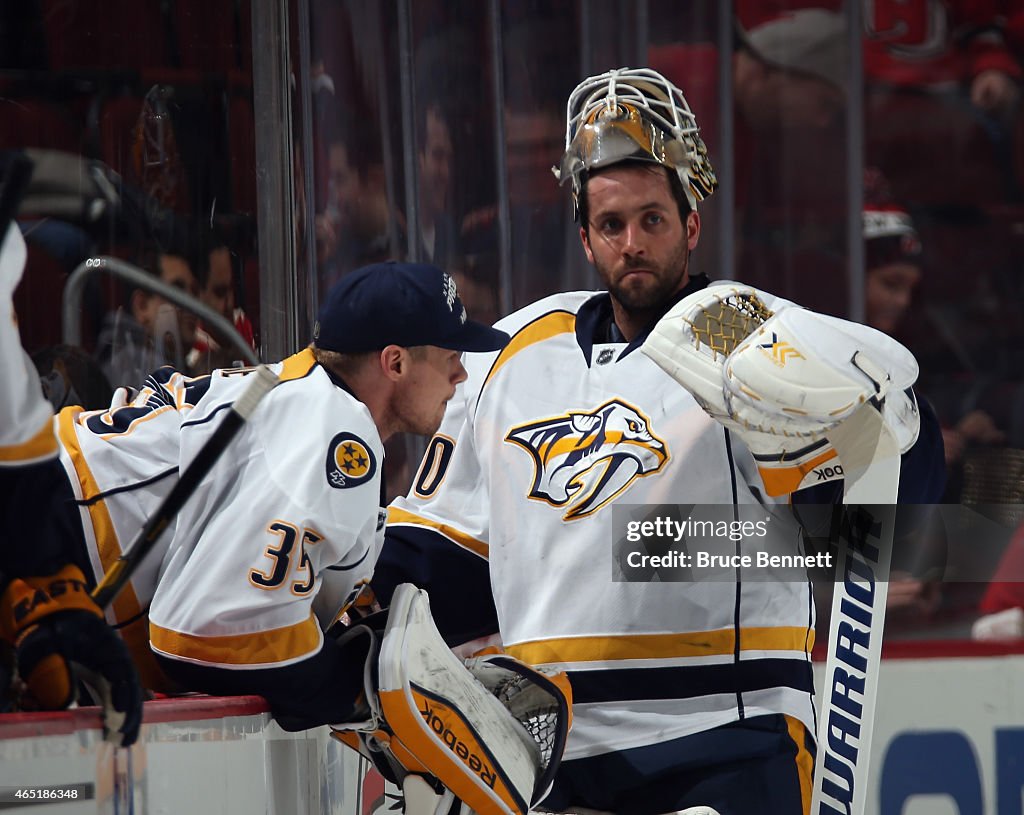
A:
402, 516
804, 761
126, 605
297, 365
276, 645
41, 446
544, 327
721, 642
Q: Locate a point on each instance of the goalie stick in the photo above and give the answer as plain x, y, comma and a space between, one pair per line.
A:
262, 382
871, 464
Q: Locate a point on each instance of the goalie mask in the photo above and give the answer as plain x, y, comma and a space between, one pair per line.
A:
634, 114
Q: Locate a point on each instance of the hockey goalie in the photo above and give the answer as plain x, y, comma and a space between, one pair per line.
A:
660, 389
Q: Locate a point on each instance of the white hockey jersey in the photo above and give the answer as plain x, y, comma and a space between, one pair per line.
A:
289, 514
121, 463
537, 447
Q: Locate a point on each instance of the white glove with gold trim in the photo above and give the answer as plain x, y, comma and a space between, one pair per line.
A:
783, 379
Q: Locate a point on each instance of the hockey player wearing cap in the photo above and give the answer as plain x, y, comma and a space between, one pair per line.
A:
292, 519
285, 531
277, 539
685, 694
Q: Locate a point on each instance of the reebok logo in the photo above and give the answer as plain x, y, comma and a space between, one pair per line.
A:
455, 744
825, 473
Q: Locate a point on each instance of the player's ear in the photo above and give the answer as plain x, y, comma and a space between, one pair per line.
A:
393, 361
692, 229
585, 240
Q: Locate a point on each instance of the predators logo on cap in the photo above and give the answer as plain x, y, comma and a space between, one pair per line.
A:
350, 461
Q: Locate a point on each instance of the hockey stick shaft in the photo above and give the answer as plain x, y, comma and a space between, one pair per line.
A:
871, 463
262, 382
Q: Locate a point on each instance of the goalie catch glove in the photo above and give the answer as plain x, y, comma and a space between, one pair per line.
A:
781, 380
539, 699
61, 640
491, 731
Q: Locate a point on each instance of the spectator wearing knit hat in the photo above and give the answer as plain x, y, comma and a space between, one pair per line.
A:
894, 268
892, 254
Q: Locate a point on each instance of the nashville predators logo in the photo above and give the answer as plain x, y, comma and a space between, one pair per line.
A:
583, 460
350, 462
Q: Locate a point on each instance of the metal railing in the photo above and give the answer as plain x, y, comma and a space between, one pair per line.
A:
71, 302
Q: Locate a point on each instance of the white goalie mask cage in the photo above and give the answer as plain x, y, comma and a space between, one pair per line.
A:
634, 114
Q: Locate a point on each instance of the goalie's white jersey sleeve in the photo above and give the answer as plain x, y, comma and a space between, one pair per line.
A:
544, 439
290, 511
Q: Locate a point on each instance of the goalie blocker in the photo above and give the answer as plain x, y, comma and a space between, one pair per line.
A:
490, 730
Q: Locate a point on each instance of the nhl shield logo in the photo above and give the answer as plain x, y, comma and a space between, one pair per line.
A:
350, 461
582, 460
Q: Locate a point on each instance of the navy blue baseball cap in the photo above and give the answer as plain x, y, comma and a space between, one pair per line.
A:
402, 304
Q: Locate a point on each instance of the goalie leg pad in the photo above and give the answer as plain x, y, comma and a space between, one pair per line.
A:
438, 712
431, 715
